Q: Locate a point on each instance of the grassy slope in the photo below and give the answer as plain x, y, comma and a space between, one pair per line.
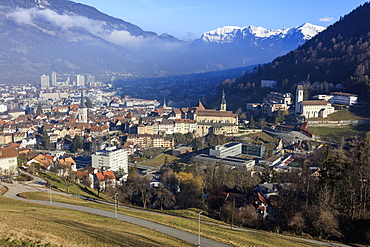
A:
336, 134
355, 113
159, 160
218, 233
28, 224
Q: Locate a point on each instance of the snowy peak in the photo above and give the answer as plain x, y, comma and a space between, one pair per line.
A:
309, 30
230, 34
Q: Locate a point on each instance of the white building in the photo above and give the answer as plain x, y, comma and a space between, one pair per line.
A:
226, 150
80, 80
116, 159
339, 98
268, 83
53, 79
3, 108
311, 108
8, 159
45, 82
343, 98
184, 126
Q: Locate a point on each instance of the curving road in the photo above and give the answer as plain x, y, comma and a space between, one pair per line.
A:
38, 184
16, 188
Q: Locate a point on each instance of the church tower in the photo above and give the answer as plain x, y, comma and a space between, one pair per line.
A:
164, 103
298, 98
82, 110
223, 102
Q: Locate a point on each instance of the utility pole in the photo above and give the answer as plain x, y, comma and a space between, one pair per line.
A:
115, 205
51, 201
232, 214
199, 228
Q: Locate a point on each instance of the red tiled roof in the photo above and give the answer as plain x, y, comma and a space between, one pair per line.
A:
315, 102
9, 152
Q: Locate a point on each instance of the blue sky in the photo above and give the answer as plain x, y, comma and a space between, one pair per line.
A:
188, 19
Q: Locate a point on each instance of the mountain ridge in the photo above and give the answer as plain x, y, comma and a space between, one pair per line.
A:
228, 34
40, 36
338, 55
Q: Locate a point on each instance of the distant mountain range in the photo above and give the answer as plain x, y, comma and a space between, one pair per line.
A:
255, 35
40, 36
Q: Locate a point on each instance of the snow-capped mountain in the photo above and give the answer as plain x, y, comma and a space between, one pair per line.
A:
230, 34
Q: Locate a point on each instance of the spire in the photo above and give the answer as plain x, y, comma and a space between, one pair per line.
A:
164, 103
82, 102
223, 102
201, 106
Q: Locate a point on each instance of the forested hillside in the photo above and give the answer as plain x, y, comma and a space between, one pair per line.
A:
338, 55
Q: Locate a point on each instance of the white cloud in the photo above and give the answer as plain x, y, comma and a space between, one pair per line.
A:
98, 28
326, 19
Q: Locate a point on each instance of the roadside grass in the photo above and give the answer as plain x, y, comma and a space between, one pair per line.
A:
29, 224
335, 134
159, 160
3, 189
219, 233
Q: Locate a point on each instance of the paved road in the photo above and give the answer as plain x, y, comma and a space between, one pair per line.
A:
17, 188
39, 185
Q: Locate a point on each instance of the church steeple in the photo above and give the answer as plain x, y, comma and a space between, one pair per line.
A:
164, 103
223, 102
82, 110
82, 101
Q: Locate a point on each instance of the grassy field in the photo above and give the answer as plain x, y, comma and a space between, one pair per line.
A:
28, 224
354, 113
218, 233
264, 137
335, 134
159, 160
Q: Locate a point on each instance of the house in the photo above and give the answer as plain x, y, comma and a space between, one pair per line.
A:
267, 199
221, 195
68, 162
45, 161
8, 159
271, 161
104, 179
81, 177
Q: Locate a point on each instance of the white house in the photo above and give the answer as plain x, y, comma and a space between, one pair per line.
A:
8, 159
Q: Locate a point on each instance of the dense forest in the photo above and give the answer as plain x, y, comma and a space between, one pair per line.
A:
338, 55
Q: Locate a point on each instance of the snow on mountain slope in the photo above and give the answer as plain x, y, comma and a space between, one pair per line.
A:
230, 34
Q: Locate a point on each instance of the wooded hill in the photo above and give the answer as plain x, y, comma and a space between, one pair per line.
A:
338, 55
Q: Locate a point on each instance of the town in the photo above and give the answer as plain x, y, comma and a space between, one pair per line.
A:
94, 134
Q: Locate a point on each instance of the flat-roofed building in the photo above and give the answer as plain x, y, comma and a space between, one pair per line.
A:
228, 149
253, 150
112, 157
231, 161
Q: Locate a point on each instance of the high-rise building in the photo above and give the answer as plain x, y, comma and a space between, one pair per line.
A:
53, 79
90, 79
115, 159
45, 82
80, 80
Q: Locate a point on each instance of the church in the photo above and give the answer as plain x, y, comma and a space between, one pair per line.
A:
220, 122
311, 108
210, 121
